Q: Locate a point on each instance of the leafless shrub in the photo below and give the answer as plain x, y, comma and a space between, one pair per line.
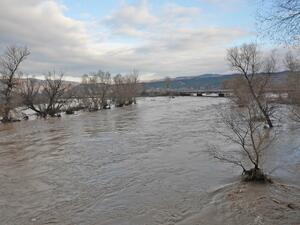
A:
46, 97
119, 90
133, 86
97, 90
126, 88
248, 135
29, 90
291, 62
10, 78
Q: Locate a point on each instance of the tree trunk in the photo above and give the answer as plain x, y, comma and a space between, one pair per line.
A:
267, 117
254, 174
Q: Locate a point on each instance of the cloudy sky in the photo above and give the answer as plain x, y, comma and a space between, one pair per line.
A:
157, 37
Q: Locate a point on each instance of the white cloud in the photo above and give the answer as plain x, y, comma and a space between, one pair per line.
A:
168, 42
129, 19
41, 25
136, 15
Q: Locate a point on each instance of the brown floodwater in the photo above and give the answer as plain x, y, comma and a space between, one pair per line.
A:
138, 165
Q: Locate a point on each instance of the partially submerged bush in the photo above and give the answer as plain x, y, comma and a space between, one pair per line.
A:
248, 135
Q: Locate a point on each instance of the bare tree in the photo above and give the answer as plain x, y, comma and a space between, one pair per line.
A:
279, 20
133, 86
126, 88
9, 68
119, 91
72, 100
30, 91
97, 88
292, 63
46, 97
54, 88
248, 136
247, 60
91, 90
106, 80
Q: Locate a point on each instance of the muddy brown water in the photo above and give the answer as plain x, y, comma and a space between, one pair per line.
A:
142, 164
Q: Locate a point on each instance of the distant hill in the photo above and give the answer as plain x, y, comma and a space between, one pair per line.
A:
205, 81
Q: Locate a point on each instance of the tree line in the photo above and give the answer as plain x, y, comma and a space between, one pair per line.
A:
51, 96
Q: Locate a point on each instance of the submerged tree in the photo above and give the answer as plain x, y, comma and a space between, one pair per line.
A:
45, 97
255, 73
119, 90
10, 77
97, 90
249, 136
133, 86
30, 92
126, 88
292, 63
245, 116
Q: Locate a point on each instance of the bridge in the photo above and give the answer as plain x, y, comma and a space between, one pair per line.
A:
272, 93
227, 92
206, 93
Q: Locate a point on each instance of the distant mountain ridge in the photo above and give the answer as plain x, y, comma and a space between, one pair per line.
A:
205, 81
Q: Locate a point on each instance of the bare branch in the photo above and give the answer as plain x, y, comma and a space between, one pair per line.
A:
246, 60
279, 21
10, 76
245, 132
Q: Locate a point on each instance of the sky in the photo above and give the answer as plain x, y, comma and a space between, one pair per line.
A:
158, 38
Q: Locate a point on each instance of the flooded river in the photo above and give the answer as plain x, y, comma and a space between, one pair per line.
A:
138, 165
